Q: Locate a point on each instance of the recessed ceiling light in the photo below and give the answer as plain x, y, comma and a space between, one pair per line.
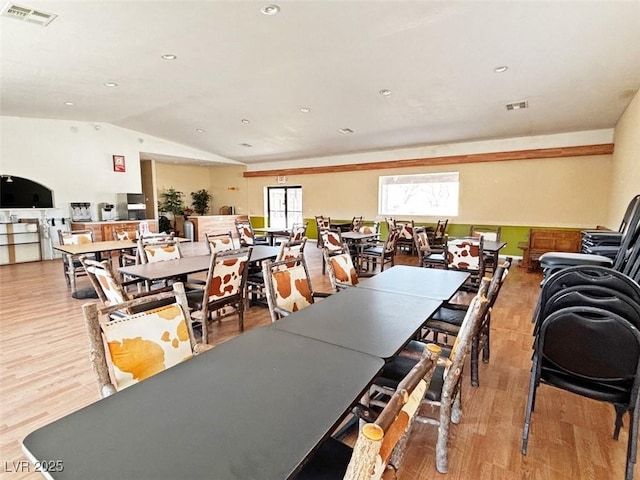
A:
517, 105
345, 131
270, 9
111, 84
169, 56
247, 145
69, 104
305, 109
384, 92
501, 69
200, 130
245, 121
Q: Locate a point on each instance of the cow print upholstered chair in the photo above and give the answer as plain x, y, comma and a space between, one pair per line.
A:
140, 345
288, 286
70, 264
332, 241
428, 257
298, 231
224, 292
219, 242
405, 238
247, 237
382, 252
322, 222
342, 272
466, 255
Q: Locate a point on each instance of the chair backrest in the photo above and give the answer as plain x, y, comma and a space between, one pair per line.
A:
322, 222
158, 249
585, 275
440, 230
140, 345
589, 345
633, 206
75, 237
342, 272
105, 281
298, 232
122, 235
375, 228
628, 253
288, 288
465, 254
406, 229
356, 223
391, 242
219, 242
331, 239
376, 442
291, 250
488, 233
227, 275
245, 232
421, 241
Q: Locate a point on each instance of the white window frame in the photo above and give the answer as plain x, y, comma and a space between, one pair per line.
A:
424, 194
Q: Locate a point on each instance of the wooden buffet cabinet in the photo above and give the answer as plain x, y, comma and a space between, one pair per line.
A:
103, 231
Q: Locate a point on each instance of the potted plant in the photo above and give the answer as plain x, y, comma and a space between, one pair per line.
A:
171, 201
200, 201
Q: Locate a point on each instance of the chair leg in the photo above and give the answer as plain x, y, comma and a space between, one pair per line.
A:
240, 316
442, 443
619, 422
475, 354
486, 349
529, 409
632, 445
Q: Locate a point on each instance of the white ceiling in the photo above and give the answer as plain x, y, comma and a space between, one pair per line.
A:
577, 64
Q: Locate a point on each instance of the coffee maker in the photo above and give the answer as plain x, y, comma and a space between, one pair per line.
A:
107, 212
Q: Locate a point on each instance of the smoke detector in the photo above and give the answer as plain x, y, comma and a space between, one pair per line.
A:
517, 105
26, 14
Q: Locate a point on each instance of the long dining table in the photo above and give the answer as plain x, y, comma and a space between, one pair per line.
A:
187, 265
417, 281
253, 408
376, 322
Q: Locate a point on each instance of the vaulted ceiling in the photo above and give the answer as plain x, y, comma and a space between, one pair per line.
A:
324, 77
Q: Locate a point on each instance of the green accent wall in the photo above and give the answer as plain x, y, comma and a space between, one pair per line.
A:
513, 235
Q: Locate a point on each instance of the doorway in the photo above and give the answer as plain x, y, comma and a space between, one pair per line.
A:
284, 206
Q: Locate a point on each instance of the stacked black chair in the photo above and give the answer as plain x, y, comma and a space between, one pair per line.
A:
627, 255
587, 342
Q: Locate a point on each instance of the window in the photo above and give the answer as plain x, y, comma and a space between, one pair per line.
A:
284, 206
430, 194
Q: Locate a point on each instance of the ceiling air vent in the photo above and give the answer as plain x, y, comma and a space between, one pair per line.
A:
26, 14
517, 105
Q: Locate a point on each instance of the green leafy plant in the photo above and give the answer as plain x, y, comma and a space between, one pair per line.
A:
171, 201
200, 201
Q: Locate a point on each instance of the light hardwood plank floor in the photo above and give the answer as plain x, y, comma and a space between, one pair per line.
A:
45, 374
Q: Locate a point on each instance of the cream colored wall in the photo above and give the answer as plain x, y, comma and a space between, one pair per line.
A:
183, 178
625, 181
229, 188
538, 192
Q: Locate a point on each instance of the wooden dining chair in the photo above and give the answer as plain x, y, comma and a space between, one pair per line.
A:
428, 256
466, 255
288, 286
381, 443
298, 231
247, 236
332, 241
322, 222
219, 242
225, 287
342, 272
382, 252
140, 345
70, 263
444, 392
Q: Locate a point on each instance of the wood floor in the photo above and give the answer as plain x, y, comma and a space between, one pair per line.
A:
45, 374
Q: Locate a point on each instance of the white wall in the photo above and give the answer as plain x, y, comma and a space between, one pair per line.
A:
74, 159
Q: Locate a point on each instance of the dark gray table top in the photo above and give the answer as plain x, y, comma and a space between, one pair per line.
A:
188, 265
370, 321
424, 282
252, 408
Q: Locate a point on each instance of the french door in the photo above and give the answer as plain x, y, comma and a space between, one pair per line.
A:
284, 206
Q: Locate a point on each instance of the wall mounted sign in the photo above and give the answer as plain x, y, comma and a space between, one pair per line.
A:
118, 163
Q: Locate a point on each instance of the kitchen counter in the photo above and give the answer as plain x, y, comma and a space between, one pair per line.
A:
103, 231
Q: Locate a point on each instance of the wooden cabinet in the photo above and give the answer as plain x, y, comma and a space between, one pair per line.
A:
212, 224
543, 240
20, 242
103, 231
